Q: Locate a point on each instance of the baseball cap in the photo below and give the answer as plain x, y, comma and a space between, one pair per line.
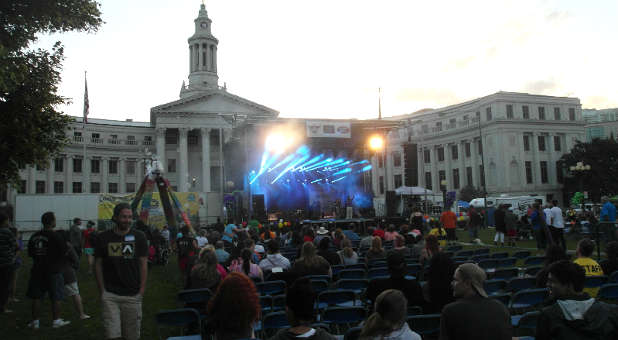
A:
259, 248
476, 275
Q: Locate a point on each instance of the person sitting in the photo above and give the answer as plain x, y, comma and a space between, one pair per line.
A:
397, 280
234, 308
299, 309
376, 251
267, 234
338, 238
244, 265
585, 247
274, 259
432, 247
610, 264
438, 291
390, 233
573, 314
201, 238
222, 255
554, 253
311, 263
348, 255
349, 233
365, 242
322, 233
379, 231
474, 315
204, 273
325, 251
389, 318
399, 245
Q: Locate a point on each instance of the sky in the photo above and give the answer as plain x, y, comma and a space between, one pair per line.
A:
327, 58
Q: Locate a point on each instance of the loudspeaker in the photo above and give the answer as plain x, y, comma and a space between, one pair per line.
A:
391, 198
259, 212
410, 163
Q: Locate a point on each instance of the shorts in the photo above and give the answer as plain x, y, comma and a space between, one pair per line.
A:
122, 316
89, 251
40, 284
71, 289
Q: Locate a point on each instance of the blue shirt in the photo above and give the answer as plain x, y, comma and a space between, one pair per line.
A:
229, 229
222, 255
535, 219
608, 212
351, 235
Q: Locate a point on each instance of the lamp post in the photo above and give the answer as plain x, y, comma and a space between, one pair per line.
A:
443, 188
580, 169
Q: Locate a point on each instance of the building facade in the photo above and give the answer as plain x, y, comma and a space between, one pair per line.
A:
601, 124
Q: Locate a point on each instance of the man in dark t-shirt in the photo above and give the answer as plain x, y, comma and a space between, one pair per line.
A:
121, 271
397, 280
47, 250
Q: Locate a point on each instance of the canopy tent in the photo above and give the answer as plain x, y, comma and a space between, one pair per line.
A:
463, 204
403, 190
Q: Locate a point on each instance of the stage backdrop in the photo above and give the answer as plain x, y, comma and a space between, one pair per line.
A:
190, 202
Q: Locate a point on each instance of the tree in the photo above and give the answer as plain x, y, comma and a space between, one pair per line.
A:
468, 193
32, 130
602, 156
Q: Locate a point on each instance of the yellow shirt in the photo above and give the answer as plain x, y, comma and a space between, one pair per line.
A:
440, 235
592, 268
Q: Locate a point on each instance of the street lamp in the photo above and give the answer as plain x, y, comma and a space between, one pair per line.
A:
443, 188
580, 169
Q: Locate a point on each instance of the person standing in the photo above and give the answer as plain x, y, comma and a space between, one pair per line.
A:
47, 250
449, 221
557, 224
608, 214
8, 249
510, 220
75, 234
537, 219
500, 223
474, 222
121, 269
88, 239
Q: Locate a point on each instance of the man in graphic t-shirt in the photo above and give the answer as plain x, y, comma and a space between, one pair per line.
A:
121, 271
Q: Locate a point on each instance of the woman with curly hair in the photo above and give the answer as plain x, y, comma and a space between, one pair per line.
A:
376, 251
389, 319
310, 263
438, 291
234, 308
204, 273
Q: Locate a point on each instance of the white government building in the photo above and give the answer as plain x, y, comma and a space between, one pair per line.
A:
523, 137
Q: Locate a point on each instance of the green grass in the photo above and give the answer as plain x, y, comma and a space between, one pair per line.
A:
163, 285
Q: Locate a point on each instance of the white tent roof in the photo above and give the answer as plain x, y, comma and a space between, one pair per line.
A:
403, 190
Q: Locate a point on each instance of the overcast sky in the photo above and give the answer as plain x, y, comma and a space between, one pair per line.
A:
327, 58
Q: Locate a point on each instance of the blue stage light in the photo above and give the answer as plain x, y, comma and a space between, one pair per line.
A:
290, 167
338, 179
343, 171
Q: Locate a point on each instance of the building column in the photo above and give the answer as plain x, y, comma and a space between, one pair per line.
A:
551, 162
214, 59
50, 177
503, 165
190, 58
462, 163
104, 173
375, 175
86, 169
161, 148
31, 186
435, 178
139, 172
535, 159
121, 170
69, 169
184, 160
421, 167
474, 150
448, 166
205, 133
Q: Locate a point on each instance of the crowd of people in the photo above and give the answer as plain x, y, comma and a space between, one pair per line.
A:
229, 260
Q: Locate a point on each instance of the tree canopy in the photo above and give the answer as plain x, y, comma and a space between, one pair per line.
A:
32, 130
468, 193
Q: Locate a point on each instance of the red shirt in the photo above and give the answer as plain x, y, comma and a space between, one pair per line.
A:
379, 233
86, 234
307, 238
448, 219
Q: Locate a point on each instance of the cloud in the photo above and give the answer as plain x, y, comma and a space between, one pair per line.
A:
557, 16
541, 86
435, 97
598, 102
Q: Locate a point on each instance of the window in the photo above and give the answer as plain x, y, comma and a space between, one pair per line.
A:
130, 187
112, 166
77, 137
171, 164
130, 167
428, 180
192, 139
398, 181
425, 128
482, 174
95, 187
95, 138
526, 143
171, 137
40, 167
147, 140
22, 186
452, 123
113, 139
528, 172
441, 154
541, 143
439, 126
559, 174
59, 165
427, 156
467, 147
397, 160
469, 175
541, 113
454, 152
95, 166
509, 111
77, 187
77, 165
556, 113
544, 178
58, 187
525, 112
112, 188
488, 113
571, 113
131, 140
441, 177
380, 183
455, 178
40, 187
557, 144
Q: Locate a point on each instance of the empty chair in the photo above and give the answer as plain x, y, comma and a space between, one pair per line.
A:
528, 298
532, 271
507, 262
526, 321
478, 258
196, 298
415, 310
520, 283
608, 291
522, 254
378, 273
339, 297
488, 264
466, 253
181, 318
355, 266
318, 277
481, 251
595, 281
352, 274
266, 302
377, 263
499, 255
413, 269
533, 260
352, 333
425, 325
278, 303
319, 285
506, 273
271, 287
274, 321
613, 277
505, 298
454, 248
357, 285
336, 269
494, 286
343, 315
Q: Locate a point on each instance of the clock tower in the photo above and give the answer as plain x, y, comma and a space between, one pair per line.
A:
202, 57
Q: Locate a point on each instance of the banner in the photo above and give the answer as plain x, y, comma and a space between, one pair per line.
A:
328, 128
189, 201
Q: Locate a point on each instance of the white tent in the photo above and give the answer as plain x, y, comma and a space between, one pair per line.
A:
403, 190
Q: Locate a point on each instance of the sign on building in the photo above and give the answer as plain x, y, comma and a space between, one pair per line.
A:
327, 128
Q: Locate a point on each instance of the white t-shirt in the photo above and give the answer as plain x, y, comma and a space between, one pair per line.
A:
201, 241
556, 214
547, 213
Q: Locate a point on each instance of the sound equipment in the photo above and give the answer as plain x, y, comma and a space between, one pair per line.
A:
259, 211
410, 163
391, 203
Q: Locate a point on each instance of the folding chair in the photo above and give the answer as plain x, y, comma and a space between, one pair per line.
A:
466, 253
338, 297
528, 298
520, 283
271, 287
532, 271
181, 317
494, 286
481, 251
317, 277
533, 260
378, 273
377, 263
478, 258
355, 266
488, 264
343, 316
506, 273
272, 322
526, 321
357, 285
608, 291
522, 254
454, 248
499, 255
319, 285
266, 302
427, 325
595, 281
613, 277
507, 262
504, 298
278, 303
352, 274
336, 269
413, 269
353, 333
196, 298
415, 310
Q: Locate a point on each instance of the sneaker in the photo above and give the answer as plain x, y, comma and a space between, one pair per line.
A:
34, 324
85, 317
59, 323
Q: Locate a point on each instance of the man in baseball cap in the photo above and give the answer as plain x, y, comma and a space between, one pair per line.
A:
474, 315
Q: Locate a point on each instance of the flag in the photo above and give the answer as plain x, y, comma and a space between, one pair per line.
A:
86, 104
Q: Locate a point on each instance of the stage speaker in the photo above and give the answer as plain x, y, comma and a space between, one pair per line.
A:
391, 201
410, 163
259, 211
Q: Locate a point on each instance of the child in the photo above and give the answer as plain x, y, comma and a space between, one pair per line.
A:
510, 220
